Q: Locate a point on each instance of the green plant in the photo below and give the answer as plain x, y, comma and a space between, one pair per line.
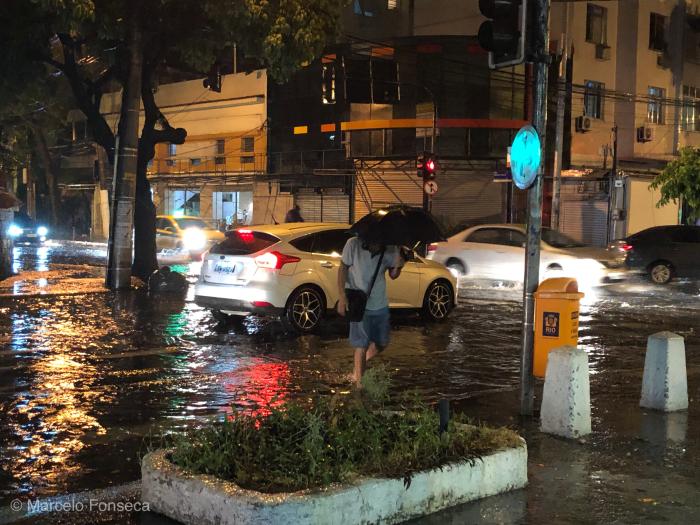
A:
680, 179
298, 446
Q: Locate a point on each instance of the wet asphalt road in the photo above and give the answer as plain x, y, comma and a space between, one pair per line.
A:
90, 381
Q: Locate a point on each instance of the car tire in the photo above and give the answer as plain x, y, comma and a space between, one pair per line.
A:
660, 272
438, 301
305, 309
456, 267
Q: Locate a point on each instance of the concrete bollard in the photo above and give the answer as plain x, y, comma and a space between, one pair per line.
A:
665, 383
566, 400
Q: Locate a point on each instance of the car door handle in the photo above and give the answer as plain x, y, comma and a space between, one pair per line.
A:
327, 264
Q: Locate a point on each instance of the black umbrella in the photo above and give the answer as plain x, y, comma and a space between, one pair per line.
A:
398, 225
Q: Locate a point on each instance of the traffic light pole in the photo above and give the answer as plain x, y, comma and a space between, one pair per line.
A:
539, 43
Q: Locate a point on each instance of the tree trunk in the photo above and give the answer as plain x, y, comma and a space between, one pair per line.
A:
145, 262
50, 170
121, 239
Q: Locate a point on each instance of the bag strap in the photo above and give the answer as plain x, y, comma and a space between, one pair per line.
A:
376, 272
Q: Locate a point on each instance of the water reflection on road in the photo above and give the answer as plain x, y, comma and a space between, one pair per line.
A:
88, 381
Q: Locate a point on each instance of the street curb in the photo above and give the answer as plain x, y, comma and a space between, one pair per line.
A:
70, 502
199, 499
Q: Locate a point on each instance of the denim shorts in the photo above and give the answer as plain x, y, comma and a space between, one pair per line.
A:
374, 328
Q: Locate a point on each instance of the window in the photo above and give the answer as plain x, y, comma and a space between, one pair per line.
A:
392, 4
244, 242
331, 242
305, 243
690, 117
655, 107
593, 101
359, 9
248, 159
596, 24
247, 144
502, 236
196, 161
685, 234
172, 151
657, 32
220, 147
328, 83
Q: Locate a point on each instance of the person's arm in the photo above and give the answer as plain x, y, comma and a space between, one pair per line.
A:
397, 265
342, 298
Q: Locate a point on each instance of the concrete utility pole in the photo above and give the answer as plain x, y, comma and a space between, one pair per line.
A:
559, 138
121, 232
612, 192
539, 43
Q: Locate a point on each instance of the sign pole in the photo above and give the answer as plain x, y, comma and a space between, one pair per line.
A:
539, 42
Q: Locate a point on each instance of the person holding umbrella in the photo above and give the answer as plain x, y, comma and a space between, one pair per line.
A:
363, 299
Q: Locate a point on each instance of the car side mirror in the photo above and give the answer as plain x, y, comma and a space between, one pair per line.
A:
170, 229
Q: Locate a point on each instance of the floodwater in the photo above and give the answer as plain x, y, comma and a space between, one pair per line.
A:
90, 381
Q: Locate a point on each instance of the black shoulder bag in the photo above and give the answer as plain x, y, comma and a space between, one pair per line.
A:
357, 299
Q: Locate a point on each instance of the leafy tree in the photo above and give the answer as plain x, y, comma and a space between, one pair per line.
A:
86, 42
680, 180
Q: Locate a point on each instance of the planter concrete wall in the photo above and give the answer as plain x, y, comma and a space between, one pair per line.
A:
203, 500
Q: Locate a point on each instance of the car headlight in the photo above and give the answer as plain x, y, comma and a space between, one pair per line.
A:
14, 230
42, 231
194, 239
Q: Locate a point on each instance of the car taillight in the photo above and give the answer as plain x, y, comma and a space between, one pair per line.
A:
275, 260
246, 236
432, 247
626, 247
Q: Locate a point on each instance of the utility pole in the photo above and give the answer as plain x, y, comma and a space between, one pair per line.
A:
538, 36
612, 191
121, 231
559, 138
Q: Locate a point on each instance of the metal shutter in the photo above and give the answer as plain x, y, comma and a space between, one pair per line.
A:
585, 220
376, 189
468, 197
329, 207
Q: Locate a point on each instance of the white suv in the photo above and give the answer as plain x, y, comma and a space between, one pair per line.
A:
291, 270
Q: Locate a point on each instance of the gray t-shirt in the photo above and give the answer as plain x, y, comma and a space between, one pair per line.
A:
361, 266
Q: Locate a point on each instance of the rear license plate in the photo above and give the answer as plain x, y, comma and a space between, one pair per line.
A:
225, 268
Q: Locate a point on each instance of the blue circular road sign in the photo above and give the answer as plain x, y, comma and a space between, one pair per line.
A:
525, 157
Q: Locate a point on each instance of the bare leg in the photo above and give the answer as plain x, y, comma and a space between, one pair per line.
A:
360, 365
372, 351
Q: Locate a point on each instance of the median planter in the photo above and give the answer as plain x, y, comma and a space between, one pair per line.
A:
203, 499
337, 460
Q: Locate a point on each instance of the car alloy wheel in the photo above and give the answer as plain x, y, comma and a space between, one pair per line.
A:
438, 301
305, 309
660, 273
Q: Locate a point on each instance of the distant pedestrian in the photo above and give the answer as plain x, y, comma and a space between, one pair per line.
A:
362, 272
294, 215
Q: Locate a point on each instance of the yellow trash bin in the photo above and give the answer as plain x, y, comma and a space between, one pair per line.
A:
556, 318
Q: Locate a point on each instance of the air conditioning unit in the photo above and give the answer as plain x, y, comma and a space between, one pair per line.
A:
583, 124
645, 134
602, 52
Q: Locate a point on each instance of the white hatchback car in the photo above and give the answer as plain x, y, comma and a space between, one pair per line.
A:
497, 252
292, 269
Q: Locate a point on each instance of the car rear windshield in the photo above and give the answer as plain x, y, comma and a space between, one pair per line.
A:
185, 223
244, 242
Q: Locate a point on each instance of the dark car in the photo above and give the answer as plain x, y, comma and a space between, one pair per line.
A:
665, 252
25, 230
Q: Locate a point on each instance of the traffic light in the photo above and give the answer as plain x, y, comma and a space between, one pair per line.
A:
503, 35
427, 166
213, 80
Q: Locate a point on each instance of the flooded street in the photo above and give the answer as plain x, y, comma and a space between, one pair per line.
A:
90, 381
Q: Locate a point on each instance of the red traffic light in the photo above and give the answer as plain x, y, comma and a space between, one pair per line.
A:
430, 165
